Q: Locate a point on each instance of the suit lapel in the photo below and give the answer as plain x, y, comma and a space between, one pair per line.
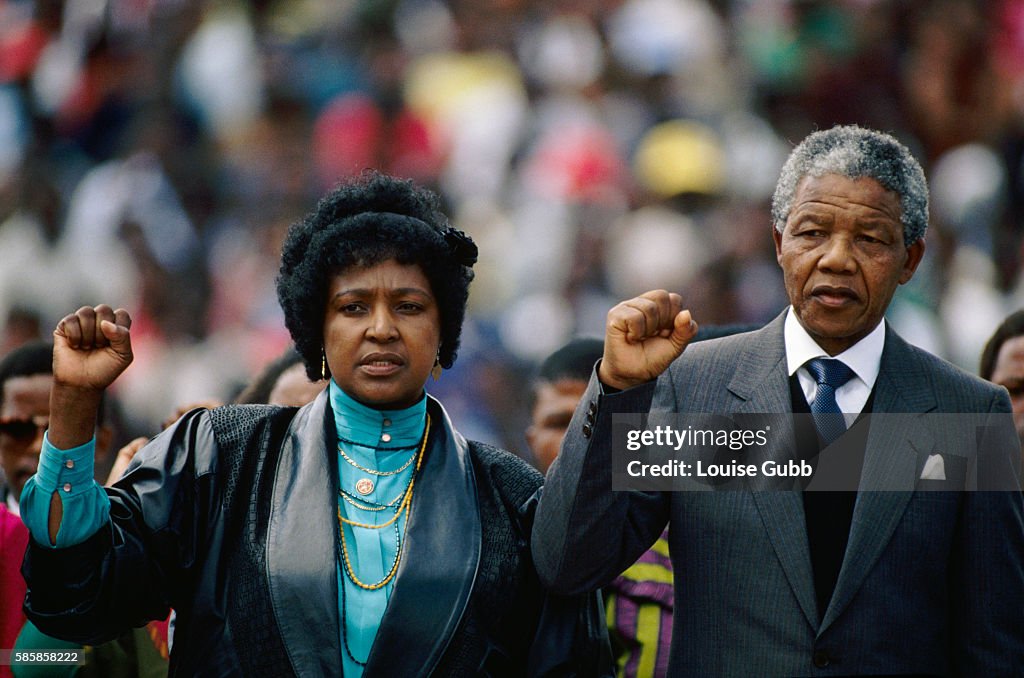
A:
301, 565
894, 446
760, 380
439, 563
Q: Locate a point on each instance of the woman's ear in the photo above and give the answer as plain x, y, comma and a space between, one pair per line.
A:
435, 371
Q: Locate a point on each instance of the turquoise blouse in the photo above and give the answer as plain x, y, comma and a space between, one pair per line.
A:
82, 497
386, 441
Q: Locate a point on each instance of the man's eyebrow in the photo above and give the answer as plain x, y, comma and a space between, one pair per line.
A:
819, 215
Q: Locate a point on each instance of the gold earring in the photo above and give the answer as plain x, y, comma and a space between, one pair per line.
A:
435, 371
323, 364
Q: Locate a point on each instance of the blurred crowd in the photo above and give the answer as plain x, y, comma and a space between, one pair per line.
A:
154, 152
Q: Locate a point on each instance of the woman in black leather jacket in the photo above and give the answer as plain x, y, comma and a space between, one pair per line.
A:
358, 535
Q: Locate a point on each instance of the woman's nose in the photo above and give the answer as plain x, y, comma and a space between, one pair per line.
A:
382, 326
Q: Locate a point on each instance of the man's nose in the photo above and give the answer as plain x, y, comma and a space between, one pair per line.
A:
838, 255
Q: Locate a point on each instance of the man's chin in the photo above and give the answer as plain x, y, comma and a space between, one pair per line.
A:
830, 323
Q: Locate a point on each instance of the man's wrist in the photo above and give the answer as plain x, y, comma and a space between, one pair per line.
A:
611, 384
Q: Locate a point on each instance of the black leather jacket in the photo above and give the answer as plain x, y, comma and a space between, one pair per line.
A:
229, 517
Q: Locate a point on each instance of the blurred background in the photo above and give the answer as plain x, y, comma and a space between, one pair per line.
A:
154, 152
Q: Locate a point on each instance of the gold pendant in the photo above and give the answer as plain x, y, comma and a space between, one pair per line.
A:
364, 486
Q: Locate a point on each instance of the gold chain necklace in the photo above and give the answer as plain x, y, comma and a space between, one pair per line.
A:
360, 503
374, 471
406, 500
391, 573
406, 505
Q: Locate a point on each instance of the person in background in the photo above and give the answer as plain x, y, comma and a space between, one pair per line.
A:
360, 534
25, 379
555, 391
1002, 362
283, 381
784, 582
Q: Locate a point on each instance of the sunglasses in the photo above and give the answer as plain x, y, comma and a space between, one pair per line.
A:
24, 431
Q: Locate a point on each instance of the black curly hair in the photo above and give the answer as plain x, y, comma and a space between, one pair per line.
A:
370, 220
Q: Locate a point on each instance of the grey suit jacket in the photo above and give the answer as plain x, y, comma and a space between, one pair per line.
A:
932, 582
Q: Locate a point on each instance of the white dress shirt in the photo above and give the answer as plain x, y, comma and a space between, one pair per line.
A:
864, 358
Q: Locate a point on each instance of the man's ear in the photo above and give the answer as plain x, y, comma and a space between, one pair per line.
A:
777, 237
914, 255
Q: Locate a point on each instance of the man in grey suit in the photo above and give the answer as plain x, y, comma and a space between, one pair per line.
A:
788, 583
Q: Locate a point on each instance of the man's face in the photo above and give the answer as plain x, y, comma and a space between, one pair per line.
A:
24, 416
842, 257
556, 402
1009, 372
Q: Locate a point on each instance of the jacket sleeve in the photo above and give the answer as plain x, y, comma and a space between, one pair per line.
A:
987, 582
141, 561
585, 534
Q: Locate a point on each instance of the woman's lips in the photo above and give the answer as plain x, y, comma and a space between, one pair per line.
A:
381, 365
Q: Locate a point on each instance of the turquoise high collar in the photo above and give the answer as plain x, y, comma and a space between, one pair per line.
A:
379, 429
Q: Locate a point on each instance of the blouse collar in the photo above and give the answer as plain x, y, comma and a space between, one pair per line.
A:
380, 429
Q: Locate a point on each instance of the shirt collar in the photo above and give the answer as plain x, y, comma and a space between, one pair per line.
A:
864, 357
363, 424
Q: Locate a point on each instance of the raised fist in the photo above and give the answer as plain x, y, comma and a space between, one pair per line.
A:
91, 347
643, 336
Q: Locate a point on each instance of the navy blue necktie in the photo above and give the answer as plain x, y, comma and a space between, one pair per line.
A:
829, 374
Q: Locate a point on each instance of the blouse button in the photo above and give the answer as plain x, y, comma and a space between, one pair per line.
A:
70, 463
386, 437
67, 487
387, 422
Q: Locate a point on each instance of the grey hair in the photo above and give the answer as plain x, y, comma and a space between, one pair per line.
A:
856, 152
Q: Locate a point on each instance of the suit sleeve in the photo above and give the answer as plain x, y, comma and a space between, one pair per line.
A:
585, 534
139, 564
987, 583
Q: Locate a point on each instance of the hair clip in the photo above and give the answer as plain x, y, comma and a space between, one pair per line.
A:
461, 246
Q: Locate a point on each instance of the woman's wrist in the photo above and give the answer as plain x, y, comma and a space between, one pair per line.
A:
73, 413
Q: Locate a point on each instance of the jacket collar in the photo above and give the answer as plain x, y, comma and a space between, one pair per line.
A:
438, 568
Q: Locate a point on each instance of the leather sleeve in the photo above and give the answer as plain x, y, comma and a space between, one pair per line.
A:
571, 637
144, 560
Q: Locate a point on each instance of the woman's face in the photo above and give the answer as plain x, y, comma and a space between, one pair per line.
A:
382, 329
